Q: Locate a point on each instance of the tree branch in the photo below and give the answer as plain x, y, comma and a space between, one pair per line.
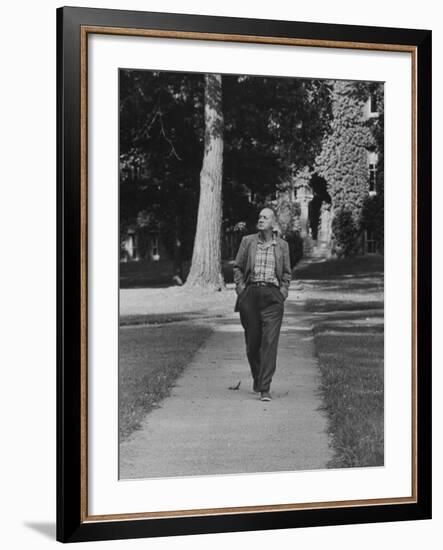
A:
168, 140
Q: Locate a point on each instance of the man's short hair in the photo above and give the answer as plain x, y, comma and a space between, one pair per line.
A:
272, 209
276, 227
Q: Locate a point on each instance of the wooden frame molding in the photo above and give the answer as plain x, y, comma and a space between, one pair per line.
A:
74, 27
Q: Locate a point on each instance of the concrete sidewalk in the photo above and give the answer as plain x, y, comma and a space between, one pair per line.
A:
204, 428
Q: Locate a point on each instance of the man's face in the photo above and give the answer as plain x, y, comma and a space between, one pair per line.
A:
265, 220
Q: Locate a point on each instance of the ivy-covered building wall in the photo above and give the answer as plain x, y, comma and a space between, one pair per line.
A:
351, 163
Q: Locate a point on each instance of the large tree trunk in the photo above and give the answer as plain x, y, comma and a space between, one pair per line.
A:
206, 258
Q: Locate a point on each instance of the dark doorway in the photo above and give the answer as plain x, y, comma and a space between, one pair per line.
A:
319, 190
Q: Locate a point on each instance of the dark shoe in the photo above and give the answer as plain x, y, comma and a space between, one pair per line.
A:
255, 388
265, 396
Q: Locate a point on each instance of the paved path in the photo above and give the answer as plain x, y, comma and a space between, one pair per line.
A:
204, 428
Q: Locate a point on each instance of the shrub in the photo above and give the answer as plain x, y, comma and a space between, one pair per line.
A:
345, 231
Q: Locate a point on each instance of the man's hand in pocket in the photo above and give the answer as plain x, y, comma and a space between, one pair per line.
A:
284, 291
240, 288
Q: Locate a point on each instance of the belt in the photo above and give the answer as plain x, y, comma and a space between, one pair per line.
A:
262, 283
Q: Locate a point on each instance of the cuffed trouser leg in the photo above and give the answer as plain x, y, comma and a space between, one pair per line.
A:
271, 315
251, 322
261, 314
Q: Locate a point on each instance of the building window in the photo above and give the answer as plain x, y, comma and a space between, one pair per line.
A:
130, 247
272, 196
372, 177
155, 253
373, 104
251, 196
372, 172
371, 108
371, 247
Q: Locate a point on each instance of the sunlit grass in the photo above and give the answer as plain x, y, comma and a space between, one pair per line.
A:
352, 385
151, 360
346, 300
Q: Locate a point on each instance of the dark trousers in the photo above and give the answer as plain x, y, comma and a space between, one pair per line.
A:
261, 313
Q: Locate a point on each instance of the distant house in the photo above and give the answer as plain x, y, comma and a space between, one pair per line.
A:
138, 244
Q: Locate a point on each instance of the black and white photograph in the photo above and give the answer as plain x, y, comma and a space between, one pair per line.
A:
251, 273
218, 321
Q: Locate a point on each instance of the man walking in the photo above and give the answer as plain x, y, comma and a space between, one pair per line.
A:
262, 274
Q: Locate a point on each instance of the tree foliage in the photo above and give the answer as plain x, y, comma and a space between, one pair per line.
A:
161, 148
272, 127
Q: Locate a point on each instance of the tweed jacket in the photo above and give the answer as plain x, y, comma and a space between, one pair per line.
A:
245, 260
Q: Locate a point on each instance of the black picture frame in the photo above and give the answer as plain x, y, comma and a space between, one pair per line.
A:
72, 522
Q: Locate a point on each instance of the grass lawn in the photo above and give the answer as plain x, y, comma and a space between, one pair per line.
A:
160, 305
151, 359
345, 298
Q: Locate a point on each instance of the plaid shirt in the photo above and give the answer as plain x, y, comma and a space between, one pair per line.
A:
264, 268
